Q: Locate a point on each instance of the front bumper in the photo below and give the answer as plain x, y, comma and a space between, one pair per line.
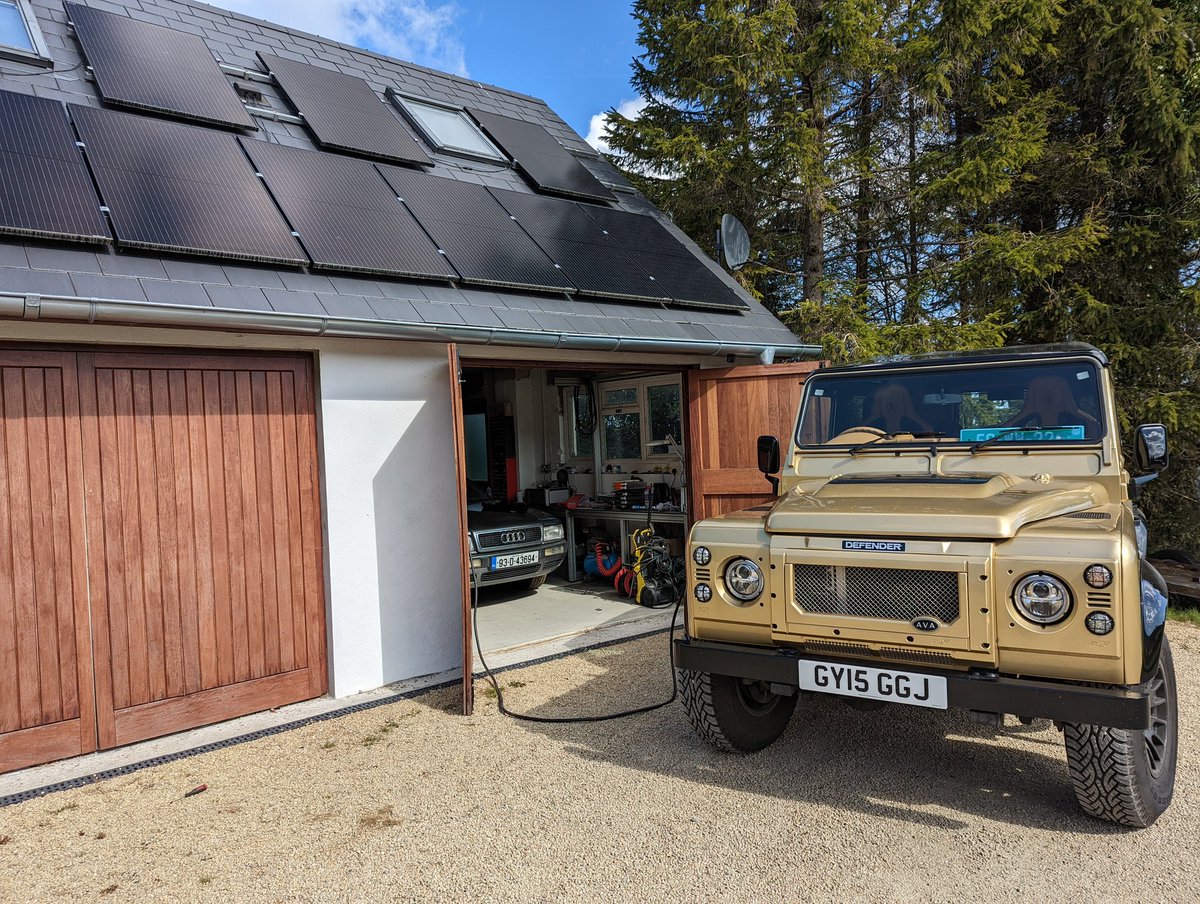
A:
1029, 698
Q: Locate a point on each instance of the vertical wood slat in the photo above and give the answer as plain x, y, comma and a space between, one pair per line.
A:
728, 409
10, 708
42, 540
28, 687
187, 593
46, 701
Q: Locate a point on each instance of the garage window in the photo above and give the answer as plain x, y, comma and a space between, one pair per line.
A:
637, 413
20, 37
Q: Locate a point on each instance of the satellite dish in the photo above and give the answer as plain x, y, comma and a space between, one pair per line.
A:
733, 241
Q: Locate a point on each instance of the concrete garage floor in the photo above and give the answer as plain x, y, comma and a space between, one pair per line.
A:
410, 802
510, 617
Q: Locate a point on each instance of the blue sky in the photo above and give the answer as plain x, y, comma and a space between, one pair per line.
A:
573, 54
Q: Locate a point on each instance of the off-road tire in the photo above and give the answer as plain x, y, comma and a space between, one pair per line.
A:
732, 714
535, 583
1124, 775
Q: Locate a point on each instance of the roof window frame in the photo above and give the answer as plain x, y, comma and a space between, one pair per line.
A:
38, 54
401, 101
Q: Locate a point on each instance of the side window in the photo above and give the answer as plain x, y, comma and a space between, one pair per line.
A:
20, 37
621, 419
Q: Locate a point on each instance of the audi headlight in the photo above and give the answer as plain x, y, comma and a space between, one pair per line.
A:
1042, 598
744, 580
552, 532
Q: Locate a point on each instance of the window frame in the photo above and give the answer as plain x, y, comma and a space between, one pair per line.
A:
402, 102
39, 53
642, 406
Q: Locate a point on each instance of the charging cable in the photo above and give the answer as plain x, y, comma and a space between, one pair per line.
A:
565, 720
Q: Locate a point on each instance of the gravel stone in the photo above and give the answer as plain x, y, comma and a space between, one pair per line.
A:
410, 802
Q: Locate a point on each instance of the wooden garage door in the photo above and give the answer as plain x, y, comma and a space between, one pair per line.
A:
159, 542
46, 708
204, 537
728, 410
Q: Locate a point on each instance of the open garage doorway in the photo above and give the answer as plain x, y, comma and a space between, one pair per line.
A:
574, 475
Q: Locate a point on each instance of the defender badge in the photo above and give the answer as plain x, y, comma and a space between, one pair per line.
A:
873, 545
925, 624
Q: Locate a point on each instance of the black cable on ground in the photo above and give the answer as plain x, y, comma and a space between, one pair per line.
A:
566, 720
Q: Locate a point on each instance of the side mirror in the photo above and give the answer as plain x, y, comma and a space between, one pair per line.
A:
1150, 447
768, 459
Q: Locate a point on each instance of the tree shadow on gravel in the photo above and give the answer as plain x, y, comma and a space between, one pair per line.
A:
891, 763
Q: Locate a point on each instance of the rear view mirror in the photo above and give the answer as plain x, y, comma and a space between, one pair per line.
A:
768, 459
768, 454
1150, 446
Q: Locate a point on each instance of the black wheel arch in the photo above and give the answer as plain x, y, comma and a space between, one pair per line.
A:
1154, 617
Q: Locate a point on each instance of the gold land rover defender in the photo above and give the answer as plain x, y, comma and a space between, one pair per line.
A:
950, 531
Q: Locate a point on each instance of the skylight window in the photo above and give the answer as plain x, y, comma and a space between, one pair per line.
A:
447, 129
20, 38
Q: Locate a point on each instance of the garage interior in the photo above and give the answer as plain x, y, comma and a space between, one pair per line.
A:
558, 461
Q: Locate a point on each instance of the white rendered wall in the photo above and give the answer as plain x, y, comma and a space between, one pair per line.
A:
391, 513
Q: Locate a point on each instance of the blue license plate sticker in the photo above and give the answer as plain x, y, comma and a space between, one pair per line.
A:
1045, 435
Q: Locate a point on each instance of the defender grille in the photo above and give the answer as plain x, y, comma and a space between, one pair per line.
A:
497, 538
888, 593
1091, 516
833, 648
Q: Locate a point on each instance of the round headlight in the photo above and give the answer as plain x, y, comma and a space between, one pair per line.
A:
703, 592
744, 580
701, 555
1098, 576
1042, 598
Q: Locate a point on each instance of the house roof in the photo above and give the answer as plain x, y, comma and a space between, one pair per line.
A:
77, 282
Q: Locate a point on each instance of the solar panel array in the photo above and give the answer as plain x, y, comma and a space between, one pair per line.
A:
664, 258
150, 67
546, 163
482, 241
45, 189
347, 217
344, 113
174, 187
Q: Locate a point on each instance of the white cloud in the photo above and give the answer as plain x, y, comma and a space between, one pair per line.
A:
421, 31
597, 135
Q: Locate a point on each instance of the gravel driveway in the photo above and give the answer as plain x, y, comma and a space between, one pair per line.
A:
409, 802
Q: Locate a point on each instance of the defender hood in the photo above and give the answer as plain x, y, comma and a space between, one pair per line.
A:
985, 506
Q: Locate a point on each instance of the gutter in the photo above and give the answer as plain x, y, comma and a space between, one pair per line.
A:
77, 309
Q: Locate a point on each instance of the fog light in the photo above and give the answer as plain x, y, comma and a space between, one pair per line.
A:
701, 555
477, 563
1098, 576
703, 592
1099, 623
555, 551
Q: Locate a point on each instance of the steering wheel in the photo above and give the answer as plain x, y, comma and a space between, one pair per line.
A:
861, 428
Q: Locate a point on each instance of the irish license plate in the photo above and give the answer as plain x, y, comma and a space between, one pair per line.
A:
515, 560
873, 684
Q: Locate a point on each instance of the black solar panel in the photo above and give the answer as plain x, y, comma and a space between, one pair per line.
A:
546, 163
173, 187
347, 217
149, 67
676, 270
45, 189
344, 112
591, 260
477, 234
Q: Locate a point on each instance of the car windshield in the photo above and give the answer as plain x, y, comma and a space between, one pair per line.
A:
1006, 403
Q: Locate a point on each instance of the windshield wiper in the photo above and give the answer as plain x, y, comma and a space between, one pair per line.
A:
854, 450
984, 443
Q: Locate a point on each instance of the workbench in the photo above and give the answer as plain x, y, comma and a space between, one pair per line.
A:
628, 520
